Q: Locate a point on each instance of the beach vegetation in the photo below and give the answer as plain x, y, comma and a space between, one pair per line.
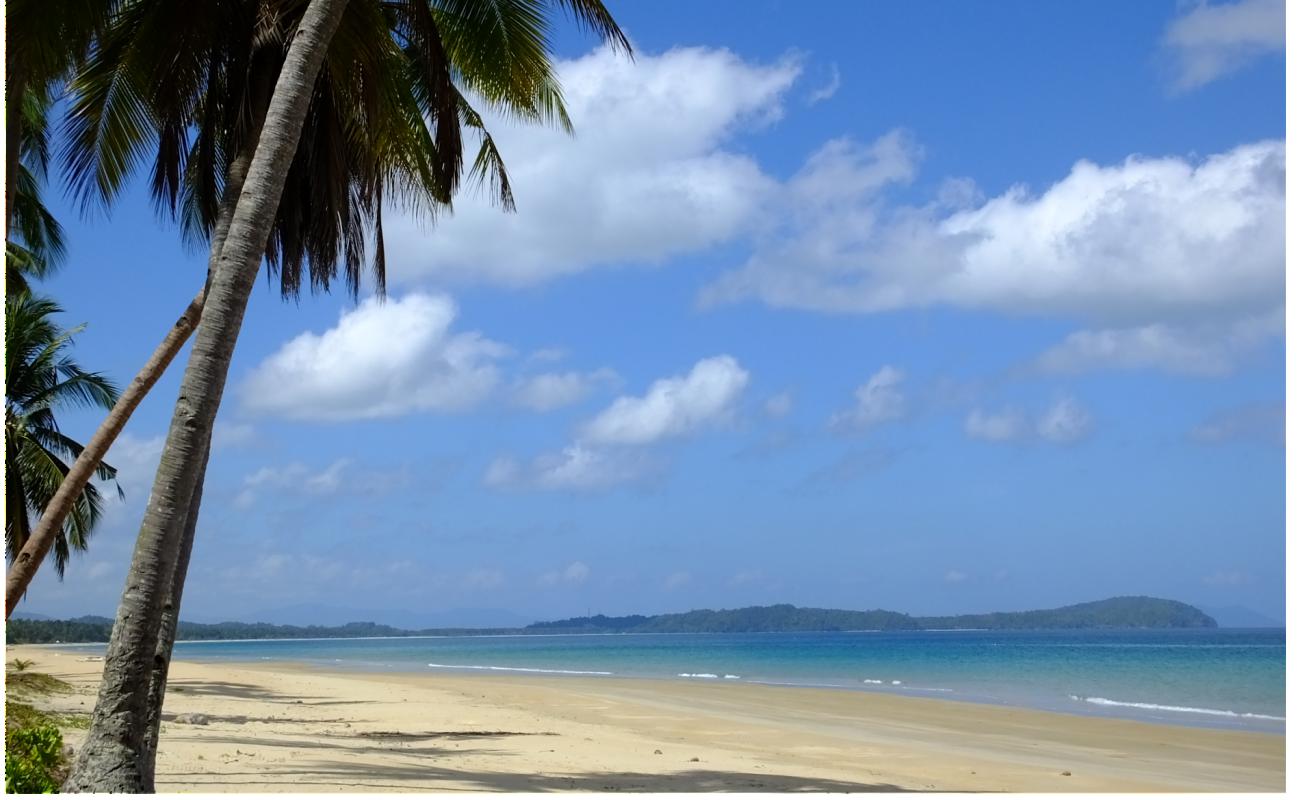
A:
35, 762
42, 378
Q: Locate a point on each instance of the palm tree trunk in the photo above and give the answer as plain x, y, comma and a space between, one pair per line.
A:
235, 178
47, 528
65, 497
111, 757
167, 637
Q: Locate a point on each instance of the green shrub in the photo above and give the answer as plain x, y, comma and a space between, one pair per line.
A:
34, 761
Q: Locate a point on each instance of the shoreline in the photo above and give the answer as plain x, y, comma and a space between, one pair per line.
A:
280, 726
1086, 706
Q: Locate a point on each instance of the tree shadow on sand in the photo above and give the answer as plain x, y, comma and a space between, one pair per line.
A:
363, 777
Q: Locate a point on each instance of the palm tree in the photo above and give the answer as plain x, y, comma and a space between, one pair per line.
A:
43, 41
111, 759
35, 247
365, 141
40, 377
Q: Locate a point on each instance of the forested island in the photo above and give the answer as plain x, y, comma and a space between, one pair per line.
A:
1117, 612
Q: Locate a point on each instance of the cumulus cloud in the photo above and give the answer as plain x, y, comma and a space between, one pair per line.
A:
647, 175
996, 426
879, 400
778, 405
1064, 422
382, 359
299, 479
1157, 257
673, 406
827, 90
1202, 351
551, 390
1261, 423
577, 467
954, 576
1209, 41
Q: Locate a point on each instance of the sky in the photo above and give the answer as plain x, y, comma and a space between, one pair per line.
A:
939, 308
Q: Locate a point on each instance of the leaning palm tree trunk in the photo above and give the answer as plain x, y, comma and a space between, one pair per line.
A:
56, 512
162, 660
167, 636
83, 469
111, 759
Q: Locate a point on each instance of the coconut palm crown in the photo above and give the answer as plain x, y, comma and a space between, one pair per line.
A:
41, 377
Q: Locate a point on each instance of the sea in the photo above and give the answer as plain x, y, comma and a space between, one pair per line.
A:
1224, 678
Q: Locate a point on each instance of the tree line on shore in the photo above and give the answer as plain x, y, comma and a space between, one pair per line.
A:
1113, 613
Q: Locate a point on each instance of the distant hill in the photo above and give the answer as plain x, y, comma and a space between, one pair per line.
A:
1241, 617
1117, 612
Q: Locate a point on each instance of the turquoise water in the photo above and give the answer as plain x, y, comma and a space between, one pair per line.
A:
1219, 678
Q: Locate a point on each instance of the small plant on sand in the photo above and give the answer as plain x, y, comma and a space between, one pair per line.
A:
20, 664
34, 762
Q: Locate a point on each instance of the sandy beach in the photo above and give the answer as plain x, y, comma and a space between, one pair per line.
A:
281, 727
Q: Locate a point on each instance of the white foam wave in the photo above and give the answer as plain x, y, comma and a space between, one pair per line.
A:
1215, 712
896, 683
872, 681
696, 675
731, 677
521, 669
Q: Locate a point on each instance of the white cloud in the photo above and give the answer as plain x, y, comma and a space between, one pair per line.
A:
1264, 423
1065, 421
778, 405
996, 426
647, 175
1207, 351
577, 467
1209, 41
879, 400
954, 576
1192, 246
575, 574
826, 91
296, 477
552, 390
232, 434
136, 460
299, 479
673, 406
383, 359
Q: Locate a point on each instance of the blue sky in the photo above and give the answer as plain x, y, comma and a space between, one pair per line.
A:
942, 308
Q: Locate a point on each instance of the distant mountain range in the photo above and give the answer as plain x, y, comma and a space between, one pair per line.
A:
1116, 612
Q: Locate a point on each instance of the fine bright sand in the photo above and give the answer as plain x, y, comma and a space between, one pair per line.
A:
278, 727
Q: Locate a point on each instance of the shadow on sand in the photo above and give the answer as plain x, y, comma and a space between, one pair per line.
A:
363, 777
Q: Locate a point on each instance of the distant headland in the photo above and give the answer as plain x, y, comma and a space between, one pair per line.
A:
1116, 612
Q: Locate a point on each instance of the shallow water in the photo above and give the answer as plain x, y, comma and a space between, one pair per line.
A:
1216, 678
